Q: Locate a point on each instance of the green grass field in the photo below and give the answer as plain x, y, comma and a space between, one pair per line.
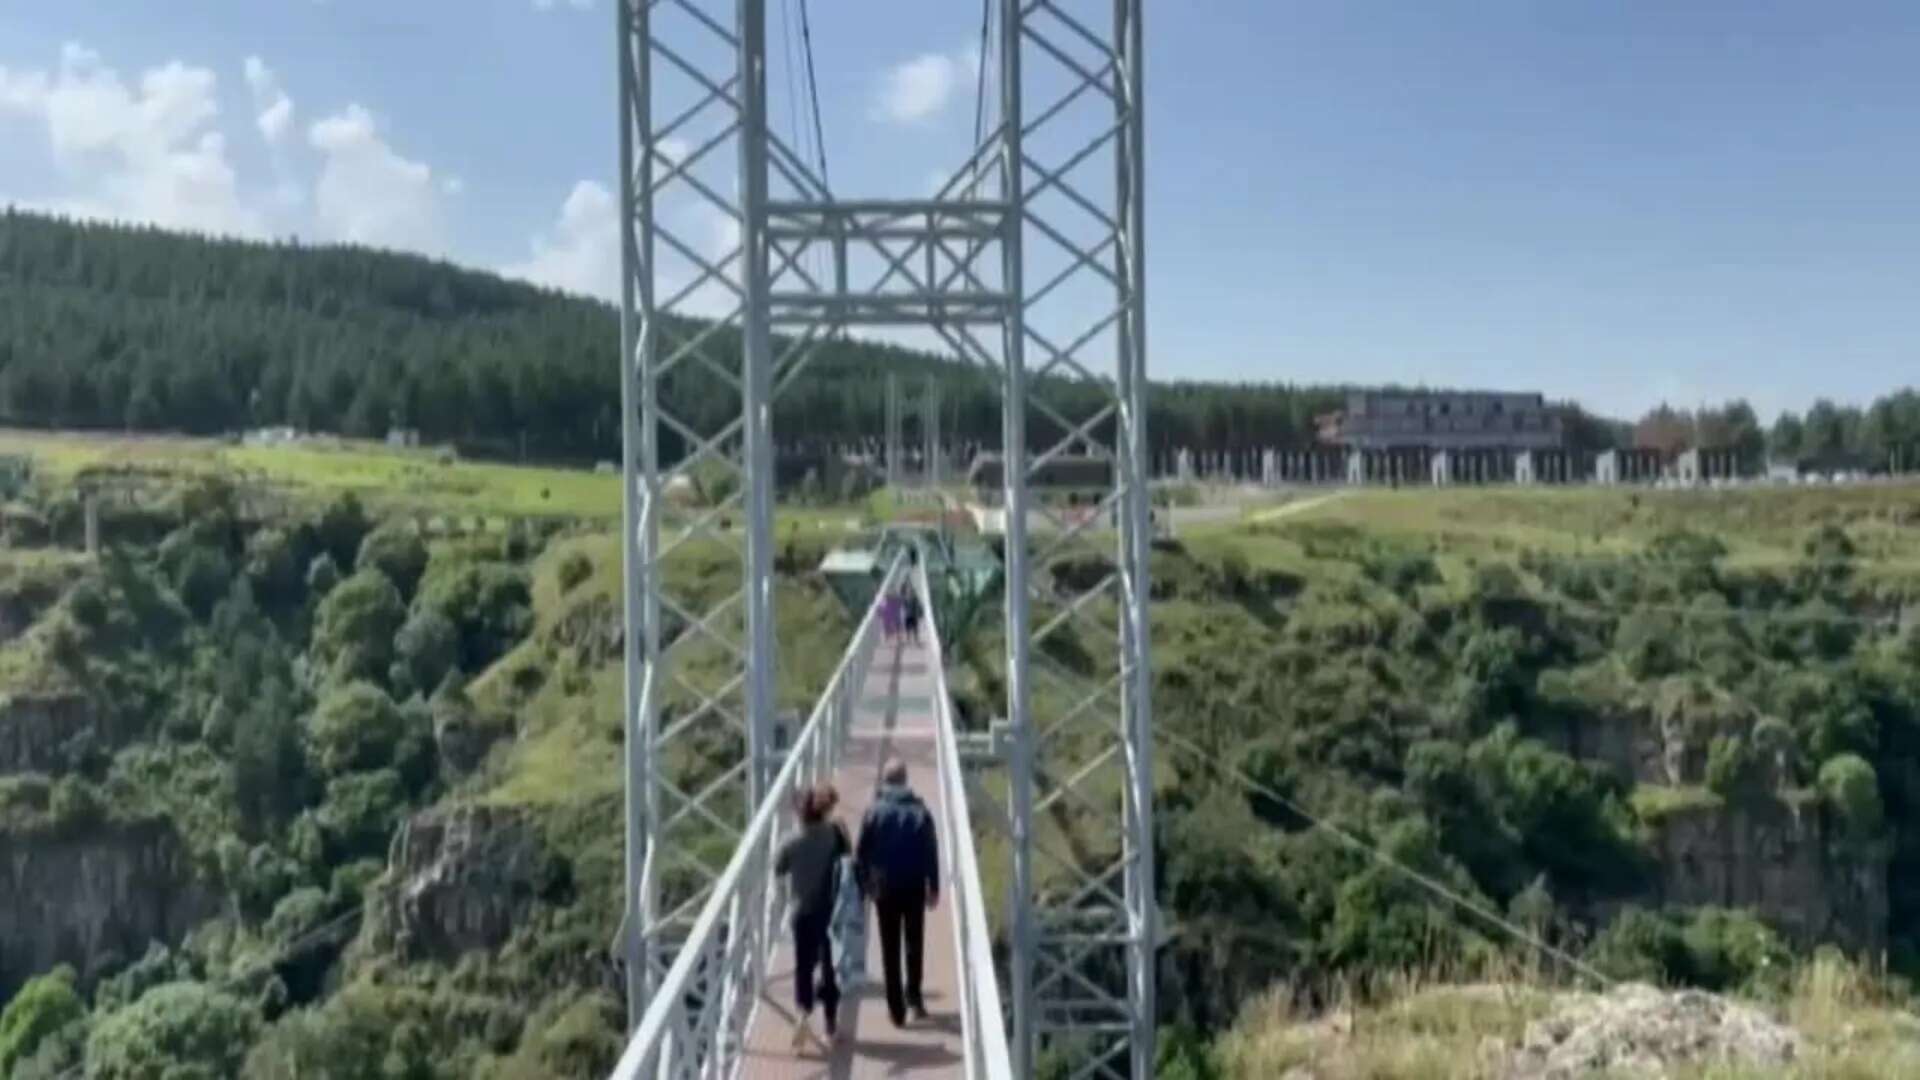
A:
387, 479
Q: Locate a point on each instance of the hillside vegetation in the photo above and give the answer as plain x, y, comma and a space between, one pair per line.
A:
362, 785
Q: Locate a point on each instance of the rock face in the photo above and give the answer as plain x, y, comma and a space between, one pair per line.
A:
93, 898
1781, 863
37, 730
463, 878
1662, 739
1640, 1032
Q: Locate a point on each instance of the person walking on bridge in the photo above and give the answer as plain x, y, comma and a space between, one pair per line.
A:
898, 865
810, 861
910, 613
890, 616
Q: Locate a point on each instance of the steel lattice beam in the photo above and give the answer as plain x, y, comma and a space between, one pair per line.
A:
1084, 920
729, 237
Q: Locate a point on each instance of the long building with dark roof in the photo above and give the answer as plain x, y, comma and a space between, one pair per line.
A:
1444, 420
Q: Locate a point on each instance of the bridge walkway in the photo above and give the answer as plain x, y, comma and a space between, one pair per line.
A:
895, 716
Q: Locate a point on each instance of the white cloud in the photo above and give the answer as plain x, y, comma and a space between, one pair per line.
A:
273, 108
147, 152
369, 194
549, 5
921, 88
581, 253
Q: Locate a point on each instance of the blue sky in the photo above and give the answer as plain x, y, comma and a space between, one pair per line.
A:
1620, 202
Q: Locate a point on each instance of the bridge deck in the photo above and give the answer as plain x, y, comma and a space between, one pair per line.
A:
896, 717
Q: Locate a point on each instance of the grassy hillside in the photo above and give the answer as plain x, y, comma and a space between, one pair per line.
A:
422, 870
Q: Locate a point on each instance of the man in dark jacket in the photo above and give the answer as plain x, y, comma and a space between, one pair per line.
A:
898, 862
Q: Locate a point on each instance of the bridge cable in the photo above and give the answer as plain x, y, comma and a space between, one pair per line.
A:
813, 93
980, 92
1373, 851
790, 55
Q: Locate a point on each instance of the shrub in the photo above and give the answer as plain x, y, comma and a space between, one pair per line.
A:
1735, 770
157, 968
260, 876
1401, 572
361, 812
182, 1031
1733, 950
1851, 789
489, 602
41, 1008
425, 651
355, 627
202, 580
270, 768
1715, 949
297, 913
575, 569
273, 567
1639, 946
396, 551
1685, 546
342, 528
323, 576
24, 799
357, 727
75, 803
360, 1026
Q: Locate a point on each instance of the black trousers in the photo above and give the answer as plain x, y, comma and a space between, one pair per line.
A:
903, 930
813, 958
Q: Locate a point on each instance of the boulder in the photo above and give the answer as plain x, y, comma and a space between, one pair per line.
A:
1639, 1033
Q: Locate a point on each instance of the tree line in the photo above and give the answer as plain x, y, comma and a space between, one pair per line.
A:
113, 327
1884, 435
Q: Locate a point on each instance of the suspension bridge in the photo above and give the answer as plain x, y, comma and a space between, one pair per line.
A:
1027, 265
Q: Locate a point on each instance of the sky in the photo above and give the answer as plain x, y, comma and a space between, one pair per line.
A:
1621, 203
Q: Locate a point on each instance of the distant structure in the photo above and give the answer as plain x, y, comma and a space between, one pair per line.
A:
1377, 420
283, 435
1068, 477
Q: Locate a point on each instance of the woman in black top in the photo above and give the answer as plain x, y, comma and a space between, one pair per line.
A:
910, 613
810, 861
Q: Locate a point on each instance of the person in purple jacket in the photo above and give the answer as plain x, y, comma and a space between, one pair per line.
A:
890, 616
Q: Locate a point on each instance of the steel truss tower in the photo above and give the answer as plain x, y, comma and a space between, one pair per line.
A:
738, 262
900, 404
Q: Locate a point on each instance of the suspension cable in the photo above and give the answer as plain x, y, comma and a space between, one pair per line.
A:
1424, 881
790, 55
813, 93
980, 90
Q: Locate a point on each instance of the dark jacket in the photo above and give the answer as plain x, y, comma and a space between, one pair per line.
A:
812, 860
898, 856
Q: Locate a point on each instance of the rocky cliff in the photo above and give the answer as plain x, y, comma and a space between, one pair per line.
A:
1783, 861
93, 897
463, 878
43, 731
1775, 856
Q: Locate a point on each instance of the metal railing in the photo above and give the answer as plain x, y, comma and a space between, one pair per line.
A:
696, 1024
982, 1021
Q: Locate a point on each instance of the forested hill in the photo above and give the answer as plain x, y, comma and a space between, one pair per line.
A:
119, 327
